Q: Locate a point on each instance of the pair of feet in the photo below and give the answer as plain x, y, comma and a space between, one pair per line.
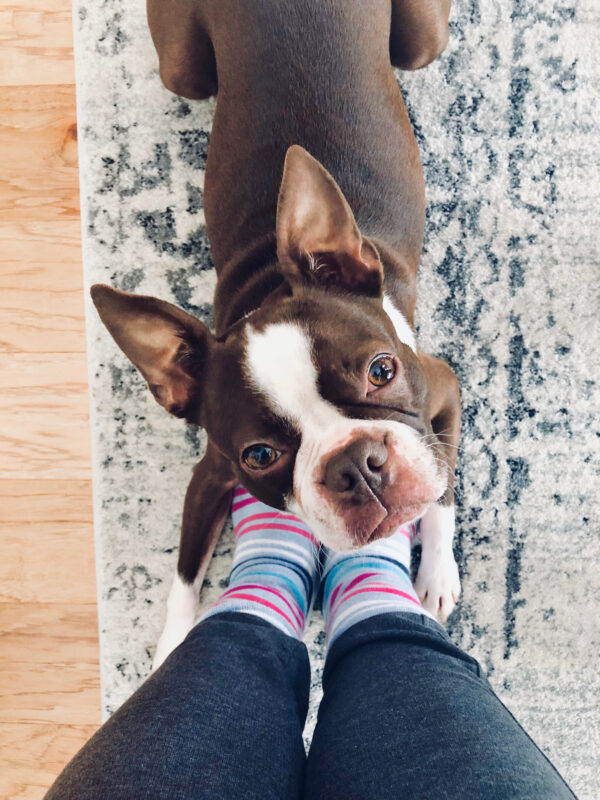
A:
280, 572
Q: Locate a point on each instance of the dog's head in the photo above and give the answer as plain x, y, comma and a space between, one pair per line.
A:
311, 401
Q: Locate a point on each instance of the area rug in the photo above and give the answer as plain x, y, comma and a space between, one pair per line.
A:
508, 124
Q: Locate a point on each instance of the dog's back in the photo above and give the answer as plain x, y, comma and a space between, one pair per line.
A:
315, 73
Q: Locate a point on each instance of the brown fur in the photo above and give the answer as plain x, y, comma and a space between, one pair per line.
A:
318, 74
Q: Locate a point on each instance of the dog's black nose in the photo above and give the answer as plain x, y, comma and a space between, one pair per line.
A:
357, 472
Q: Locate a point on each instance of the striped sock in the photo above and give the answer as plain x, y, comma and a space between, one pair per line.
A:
371, 581
275, 566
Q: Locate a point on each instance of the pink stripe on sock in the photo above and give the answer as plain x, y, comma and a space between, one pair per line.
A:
243, 503
296, 611
336, 591
272, 515
386, 589
358, 579
291, 528
254, 599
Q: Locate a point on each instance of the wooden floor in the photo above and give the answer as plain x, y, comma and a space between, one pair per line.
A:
49, 676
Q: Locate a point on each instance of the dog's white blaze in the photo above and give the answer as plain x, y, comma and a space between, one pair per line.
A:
280, 366
403, 330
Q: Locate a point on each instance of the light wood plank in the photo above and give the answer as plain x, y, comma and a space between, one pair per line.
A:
49, 674
32, 638
36, 43
38, 127
28, 630
44, 430
50, 746
41, 303
47, 693
47, 251
26, 574
29, 501
49, 321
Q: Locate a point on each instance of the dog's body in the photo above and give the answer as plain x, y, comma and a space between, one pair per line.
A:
313, 392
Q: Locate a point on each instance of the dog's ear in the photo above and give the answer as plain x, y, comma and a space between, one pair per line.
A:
317, 236
167, 345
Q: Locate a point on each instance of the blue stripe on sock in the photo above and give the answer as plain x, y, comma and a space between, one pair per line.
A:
299, 596
306, 578
367, 598
351, 564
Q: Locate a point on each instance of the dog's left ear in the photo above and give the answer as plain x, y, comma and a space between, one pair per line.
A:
317, 236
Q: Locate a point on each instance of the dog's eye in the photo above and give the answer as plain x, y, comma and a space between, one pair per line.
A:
260, 456
381, 370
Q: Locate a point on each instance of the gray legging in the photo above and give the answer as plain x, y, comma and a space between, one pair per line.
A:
405, 714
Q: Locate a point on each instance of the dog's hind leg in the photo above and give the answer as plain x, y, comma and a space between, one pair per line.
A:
207, 504
186, 57
419, 32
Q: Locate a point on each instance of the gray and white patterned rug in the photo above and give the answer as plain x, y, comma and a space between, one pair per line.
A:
508, 123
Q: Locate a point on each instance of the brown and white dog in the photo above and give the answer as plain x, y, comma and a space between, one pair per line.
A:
312, 391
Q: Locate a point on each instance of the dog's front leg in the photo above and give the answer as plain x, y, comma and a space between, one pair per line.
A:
207, 504
438, 582
182, 610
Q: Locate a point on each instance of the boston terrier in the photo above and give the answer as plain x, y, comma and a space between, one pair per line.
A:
312, 390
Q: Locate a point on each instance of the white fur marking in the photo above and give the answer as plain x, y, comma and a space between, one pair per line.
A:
403, 330
280, 366
438, 581
182, 610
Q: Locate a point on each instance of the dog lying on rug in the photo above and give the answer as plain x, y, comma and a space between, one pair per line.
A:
312, 390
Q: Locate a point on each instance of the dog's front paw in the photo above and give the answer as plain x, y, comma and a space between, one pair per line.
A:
182, 611
438, 582
171, 637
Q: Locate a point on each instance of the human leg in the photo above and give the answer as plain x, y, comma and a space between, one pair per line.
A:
223, 717
407, 714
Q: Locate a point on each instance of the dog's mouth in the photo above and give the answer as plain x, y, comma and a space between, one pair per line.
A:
389, 510
371, 481
390, 524
377, 518
395, 520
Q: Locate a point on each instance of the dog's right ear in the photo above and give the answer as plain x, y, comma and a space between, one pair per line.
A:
167, 345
